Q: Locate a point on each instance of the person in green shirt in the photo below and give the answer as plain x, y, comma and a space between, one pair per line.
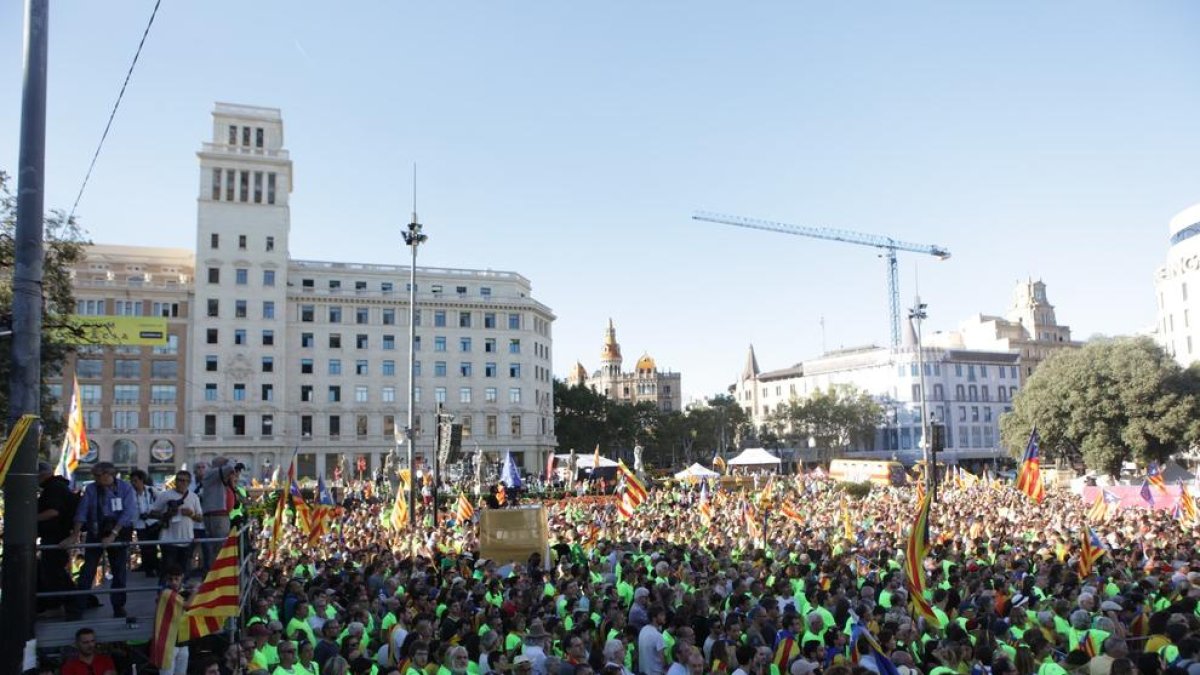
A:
287, 660
298, 627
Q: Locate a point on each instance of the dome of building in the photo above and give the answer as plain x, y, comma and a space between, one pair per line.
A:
578, 373
646, 363
1185, 224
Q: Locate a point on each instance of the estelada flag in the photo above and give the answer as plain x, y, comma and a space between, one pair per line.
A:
914, 562
1029, 480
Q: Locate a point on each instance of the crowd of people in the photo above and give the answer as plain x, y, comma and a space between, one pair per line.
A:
793, 578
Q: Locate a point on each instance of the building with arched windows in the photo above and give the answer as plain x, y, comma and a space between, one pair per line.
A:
646, 383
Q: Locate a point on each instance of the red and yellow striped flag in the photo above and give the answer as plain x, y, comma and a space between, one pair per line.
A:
277, 521
1029, 480
217, 597
633, 485
1187, 505
465, 511
914, 562
791, 513
706, 508
399, 516
166, 630
501, 495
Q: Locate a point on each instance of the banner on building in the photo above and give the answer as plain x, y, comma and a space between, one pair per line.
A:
148, 331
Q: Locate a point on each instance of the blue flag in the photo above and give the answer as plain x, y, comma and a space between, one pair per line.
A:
324, 496
1146, 493
509, 475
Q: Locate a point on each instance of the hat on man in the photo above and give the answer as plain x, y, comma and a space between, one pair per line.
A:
536, 631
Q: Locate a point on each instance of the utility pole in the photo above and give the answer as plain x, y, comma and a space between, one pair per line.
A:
918, 314
412, 238
19, 578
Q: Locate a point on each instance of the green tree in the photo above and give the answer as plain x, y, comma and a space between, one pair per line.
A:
580, 418
831, 420
64, 247
1114, 400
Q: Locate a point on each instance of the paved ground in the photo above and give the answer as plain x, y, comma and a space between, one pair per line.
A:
53, 630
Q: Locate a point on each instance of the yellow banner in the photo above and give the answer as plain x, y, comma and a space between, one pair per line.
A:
146, 331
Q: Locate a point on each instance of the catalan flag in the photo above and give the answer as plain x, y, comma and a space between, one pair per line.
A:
1029, 480
633, 484
914, 562
75, 441
399, 516
464, 511
1105, 502
750, 515
625, 503
1187, 505
1090, 551
217, 597
791, 513
706, 507
323, 516
167, 618
1154, 477
764, 497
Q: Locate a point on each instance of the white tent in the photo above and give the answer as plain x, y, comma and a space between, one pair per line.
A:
752, 457
582, 460
697, 471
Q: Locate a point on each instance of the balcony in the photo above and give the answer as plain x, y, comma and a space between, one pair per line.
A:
224, 149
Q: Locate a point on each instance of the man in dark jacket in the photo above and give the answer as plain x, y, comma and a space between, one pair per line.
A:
56, 510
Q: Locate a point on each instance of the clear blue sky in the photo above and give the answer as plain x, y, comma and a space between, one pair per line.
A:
570, 142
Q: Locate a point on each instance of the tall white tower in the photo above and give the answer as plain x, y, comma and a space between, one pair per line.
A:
237, 370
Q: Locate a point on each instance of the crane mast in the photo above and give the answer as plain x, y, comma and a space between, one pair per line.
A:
887, 245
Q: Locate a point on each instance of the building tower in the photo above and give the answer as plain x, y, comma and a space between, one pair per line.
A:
236, 372
610, 353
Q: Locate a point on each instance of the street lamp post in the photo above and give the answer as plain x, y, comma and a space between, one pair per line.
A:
918, 314
413, 238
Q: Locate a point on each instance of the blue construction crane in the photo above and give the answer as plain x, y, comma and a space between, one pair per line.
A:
887, 244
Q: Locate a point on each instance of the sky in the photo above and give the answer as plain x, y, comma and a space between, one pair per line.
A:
571, 143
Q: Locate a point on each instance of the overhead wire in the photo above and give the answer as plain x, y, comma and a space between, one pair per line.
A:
112, 115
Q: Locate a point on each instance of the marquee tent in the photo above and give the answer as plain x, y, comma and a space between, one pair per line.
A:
697, 471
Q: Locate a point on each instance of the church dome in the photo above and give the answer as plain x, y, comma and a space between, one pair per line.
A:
646, 363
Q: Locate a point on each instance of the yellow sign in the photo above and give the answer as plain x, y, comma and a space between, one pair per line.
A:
146, 331
512, 535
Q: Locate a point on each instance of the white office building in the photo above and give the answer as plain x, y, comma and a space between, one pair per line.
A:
312, 355
1174, 329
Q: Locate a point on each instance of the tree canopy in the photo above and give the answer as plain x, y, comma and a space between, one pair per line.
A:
1114, 400
64, 247
831, 420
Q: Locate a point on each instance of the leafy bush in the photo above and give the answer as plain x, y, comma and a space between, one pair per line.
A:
855, 490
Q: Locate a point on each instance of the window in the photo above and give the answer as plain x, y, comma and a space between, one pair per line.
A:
416, 394
987, 413
306, 393
268, 338
361, 394
258, 137
268, 309
416, 368
335, 284
268, 364
335, 340
239, 309
485, 291
306, 426
974, 413
464, 319
210, 391
983, 393
335, 393
162, 420
164, 370
125, 420
489, 394
239, 336
489, 369
387, 394
439, 318
267, 392
335, 366
491, 426
515, 426
210, 425
307, 340
214, 308
362, 315
1002, 394
210, 363
335, 426
214, 275
416, 317
271, 188
938, 392
389, 317
973, 393
417, 343
241, 276
464, 344
465, 420
306, 366
90, 393
216, 185
514, 395
464, 394
439, 394
389, 367
271, 240
360, 426
461, 291
267, 427
514, 370
439, 343
389, 426
514, 321
960, 392
360, 367
162, 394
464, 368
239, 392
361, 341
386, 286
126, 394
243, 188
258, 187
514, 346
439, 368
489, 319
389, 342
360, 285
335, 314
306, 313
214, 241
489, 345
211, 336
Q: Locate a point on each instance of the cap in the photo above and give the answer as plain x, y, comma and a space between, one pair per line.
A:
1110, 606
522, 658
